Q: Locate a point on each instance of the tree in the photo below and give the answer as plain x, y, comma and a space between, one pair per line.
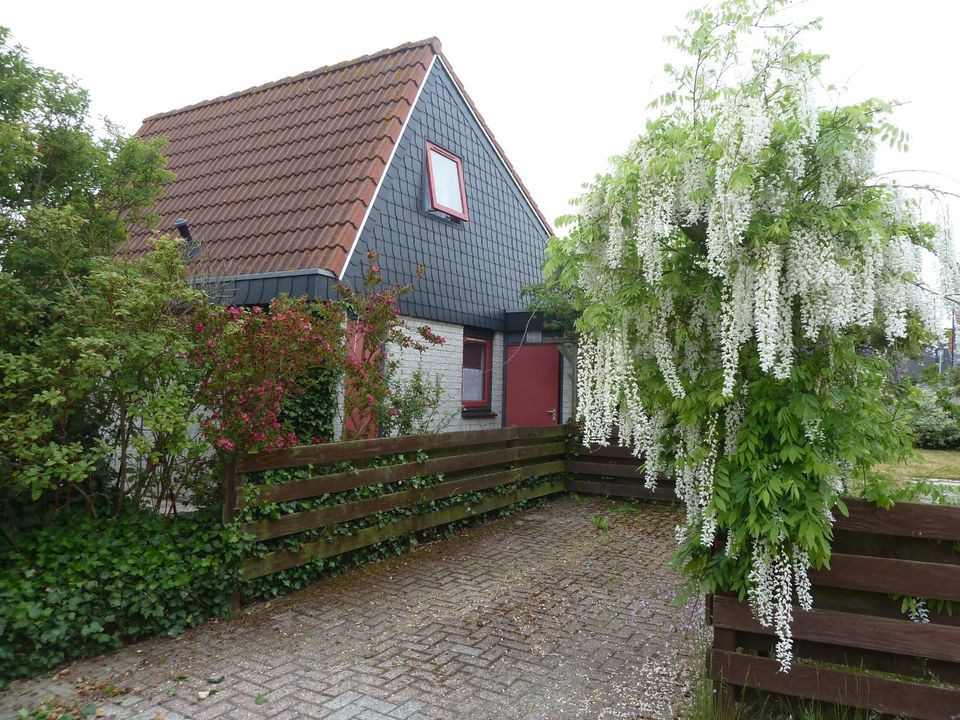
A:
120, 384
89, 345
744, 282
54, 163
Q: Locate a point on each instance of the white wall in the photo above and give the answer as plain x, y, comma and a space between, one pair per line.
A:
447, 361
568, 373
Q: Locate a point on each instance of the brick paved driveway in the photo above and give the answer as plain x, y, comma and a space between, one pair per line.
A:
541, 615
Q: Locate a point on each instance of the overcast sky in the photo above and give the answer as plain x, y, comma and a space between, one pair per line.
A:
563, 87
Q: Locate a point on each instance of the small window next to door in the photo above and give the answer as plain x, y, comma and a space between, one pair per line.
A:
477, 353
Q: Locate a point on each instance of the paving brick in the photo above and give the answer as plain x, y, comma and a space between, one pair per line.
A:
407, 709
341, 700
346, 713
507, 621
373, 715
375, 704
466, 650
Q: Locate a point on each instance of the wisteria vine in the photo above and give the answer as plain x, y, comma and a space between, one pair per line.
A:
746, 280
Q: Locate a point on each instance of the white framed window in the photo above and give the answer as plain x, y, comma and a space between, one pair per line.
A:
448, 193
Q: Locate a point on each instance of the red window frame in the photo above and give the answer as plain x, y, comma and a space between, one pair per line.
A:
431, 148
487, 373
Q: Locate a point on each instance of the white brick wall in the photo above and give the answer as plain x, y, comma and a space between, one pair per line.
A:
568, 372
447, 361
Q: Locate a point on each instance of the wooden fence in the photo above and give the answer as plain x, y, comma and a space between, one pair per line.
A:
856, 648
614, 470
470, 461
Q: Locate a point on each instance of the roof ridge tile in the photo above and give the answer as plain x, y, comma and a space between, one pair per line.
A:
432, 42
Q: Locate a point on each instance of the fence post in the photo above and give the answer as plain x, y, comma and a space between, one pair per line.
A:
512, 441
232, 489
723, 639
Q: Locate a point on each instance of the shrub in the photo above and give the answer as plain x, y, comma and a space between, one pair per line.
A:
934, 427
417, 405
85, 586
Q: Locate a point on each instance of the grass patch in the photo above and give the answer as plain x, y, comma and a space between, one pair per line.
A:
944, 464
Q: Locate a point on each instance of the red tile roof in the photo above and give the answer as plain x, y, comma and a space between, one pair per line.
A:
279, 177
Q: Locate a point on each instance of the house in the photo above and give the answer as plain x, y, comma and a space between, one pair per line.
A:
288, 186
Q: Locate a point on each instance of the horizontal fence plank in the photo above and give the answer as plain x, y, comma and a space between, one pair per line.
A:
885, 575
907, 666
870, 603
938, 642
620, 489
344, 512
898, 547
894, 697
933, 522
614, 452
327, 453
285, 559
604, 469
337, 482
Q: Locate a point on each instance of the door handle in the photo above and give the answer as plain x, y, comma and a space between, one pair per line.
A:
553, 414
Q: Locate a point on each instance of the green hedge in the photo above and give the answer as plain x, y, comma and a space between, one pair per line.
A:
84, 586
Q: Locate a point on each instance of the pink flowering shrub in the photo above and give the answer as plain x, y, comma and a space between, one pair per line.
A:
257, 361
254, 359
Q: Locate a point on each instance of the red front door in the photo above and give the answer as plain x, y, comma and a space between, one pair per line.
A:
533, 385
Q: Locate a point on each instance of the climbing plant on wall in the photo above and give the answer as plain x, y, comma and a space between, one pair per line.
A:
746, 281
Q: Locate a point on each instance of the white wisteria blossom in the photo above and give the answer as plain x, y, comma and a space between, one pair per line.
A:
746, 281
918, 612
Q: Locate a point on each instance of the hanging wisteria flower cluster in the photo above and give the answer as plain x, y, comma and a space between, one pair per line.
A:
746, 279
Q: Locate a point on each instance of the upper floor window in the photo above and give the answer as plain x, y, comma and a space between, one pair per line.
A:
448, 193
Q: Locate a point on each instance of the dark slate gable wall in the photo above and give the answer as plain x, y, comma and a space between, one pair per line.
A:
476, 269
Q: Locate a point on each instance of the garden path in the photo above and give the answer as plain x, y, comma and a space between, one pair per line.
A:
551, 613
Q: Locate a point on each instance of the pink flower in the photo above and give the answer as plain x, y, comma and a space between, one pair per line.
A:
369, 399
225, 444
375, 268
393, 411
